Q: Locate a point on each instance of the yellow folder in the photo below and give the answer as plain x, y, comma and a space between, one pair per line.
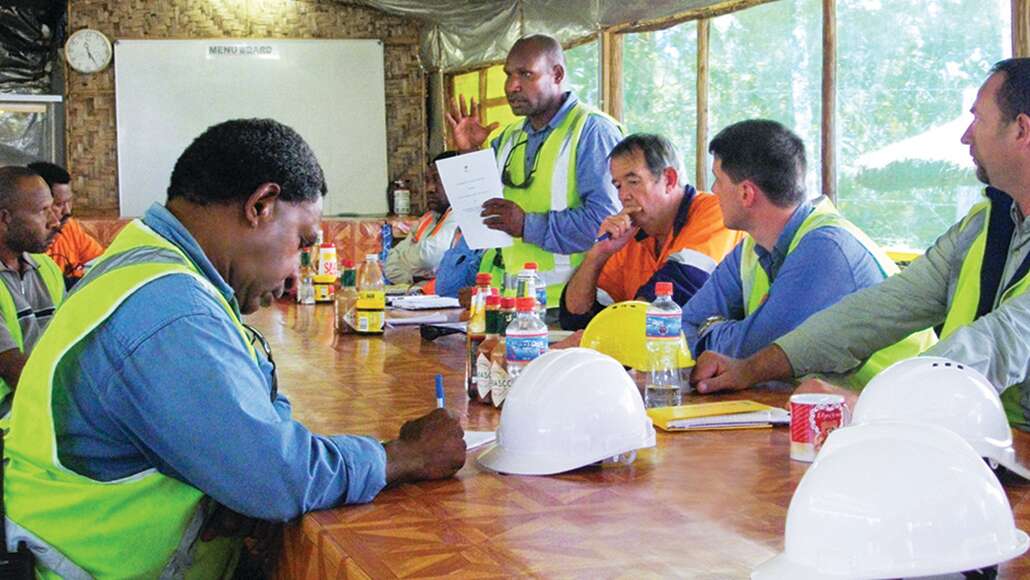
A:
721, 415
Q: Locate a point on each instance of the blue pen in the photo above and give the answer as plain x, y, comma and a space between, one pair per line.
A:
439, 391
602, 237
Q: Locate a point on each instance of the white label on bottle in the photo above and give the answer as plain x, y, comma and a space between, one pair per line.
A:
525, 347
500, 382
483, 376
664, 325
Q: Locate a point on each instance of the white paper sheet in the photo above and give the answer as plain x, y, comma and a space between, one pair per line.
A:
474, 439
470, 180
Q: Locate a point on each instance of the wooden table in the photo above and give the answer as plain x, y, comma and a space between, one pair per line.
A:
698, 505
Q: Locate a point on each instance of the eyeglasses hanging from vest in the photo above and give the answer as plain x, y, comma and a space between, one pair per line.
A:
506, 179
256, 338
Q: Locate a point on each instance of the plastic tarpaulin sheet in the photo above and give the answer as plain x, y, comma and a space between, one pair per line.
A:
465, 33
25, 43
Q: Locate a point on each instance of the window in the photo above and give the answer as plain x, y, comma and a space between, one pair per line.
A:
583, 71
766, 62
902, 106
659, 84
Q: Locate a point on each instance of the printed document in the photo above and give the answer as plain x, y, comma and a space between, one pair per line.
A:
470, 180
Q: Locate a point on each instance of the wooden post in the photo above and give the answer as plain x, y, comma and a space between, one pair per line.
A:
481, 104
1020, 27
611, 73
829, 124
701, 153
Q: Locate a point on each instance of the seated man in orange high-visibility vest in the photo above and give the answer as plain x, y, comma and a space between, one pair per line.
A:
73, 247
415, 258
666, 232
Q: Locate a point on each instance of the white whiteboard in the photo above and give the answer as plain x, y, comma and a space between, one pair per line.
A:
332, 92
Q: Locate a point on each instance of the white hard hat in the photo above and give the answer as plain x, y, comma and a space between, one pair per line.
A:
891, 499
568, 408
946, 393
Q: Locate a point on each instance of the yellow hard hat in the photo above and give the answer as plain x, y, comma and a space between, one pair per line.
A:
618, 331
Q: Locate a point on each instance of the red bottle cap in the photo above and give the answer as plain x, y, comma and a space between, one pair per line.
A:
508, 302
493, 300
663, 289
525, 304
529, 266
483, 279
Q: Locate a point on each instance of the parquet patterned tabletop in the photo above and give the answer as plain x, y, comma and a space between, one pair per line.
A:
700, 505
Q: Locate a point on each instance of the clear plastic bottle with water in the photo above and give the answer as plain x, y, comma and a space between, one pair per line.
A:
530, 284
525, 339
664, 322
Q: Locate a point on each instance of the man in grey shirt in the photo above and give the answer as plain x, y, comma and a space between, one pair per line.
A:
973, 280
33, 285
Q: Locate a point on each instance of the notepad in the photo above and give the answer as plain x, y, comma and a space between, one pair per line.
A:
721, 415
427, 302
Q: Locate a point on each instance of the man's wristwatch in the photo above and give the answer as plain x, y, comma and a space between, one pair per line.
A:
708, 324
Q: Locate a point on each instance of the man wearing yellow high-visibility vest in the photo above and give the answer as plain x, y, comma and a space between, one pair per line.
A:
553, 165
31, 284
148, 426
798, 258
972, 281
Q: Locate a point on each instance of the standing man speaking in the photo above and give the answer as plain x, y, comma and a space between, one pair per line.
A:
553, 166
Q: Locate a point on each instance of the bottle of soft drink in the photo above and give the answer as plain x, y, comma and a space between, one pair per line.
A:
493, 311
476, 332
346, 298
371, 297
530, 284
525, 339
499, 380
664, 321
306, 287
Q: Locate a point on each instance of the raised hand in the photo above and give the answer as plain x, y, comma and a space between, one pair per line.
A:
469, 133
616, 230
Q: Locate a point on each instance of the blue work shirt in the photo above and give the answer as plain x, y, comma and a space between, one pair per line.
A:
574, 229
457, 269
167, 382
827, 265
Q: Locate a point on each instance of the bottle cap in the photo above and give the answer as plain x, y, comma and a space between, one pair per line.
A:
508, 302
525, 303
483, 278
529, 266
348, 263
493, 300
495, 291
663, 289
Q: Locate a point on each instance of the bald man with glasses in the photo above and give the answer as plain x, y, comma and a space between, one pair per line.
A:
553, 164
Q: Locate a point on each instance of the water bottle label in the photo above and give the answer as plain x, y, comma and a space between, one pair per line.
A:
371, 300
663, 325
525, 347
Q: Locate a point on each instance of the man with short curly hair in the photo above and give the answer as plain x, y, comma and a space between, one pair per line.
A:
150, 402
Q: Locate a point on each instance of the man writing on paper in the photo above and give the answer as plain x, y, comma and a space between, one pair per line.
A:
150, 402
553, 167
415, 258
973, 280
799, 257
666, 232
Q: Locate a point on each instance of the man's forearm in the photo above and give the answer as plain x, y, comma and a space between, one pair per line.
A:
581, 290
768, 364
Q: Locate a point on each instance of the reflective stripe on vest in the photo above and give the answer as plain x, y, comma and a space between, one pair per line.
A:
755, 283
150, 522
966, 299
553, 189
53, 279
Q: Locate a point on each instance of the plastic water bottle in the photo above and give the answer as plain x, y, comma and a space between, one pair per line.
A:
664, 321
525, 339
306, 287
371, 297
530, 284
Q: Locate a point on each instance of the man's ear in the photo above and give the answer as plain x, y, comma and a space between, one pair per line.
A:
1023, 126
260, 206
749, 193
559, 74
672, 179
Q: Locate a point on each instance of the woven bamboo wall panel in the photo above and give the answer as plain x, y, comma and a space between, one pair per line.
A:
91, 134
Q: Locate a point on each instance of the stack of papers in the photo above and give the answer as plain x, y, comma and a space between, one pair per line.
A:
428, 302
723, 415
